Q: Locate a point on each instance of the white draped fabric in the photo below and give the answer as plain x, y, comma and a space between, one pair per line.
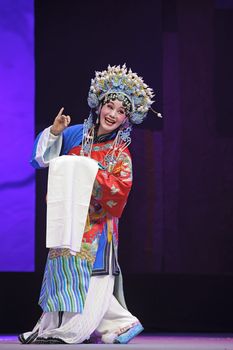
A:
70, 184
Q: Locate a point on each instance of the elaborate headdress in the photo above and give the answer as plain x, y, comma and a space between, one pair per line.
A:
126, 86
121, 83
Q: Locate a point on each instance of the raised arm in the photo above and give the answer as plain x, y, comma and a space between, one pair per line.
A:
48, 143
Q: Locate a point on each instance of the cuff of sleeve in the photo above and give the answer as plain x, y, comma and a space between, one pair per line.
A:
52, 136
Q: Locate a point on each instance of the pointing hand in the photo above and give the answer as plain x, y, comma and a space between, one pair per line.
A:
60, 123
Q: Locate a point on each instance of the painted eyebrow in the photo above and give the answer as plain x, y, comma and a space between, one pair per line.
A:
122, 107
114, 105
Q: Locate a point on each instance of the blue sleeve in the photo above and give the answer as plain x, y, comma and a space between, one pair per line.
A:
33, 162
72, 137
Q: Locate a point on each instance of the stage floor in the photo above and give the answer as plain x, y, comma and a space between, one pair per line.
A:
142, 342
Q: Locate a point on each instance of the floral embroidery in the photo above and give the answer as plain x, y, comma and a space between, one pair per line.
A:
111, 203
114, 189
123, 173
108, 185
97, 191
102, 147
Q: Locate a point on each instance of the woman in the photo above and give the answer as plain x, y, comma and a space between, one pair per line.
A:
82, 294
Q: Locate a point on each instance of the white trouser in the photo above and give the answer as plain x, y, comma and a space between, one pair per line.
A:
102, 314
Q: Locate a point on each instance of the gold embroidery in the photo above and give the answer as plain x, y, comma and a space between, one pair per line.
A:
83, 254
110, 229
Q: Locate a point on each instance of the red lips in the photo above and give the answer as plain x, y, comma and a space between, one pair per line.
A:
110, 120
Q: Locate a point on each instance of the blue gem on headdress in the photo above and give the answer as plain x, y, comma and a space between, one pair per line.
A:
137, 117
120, 97
116, 82
137, 100
129, 91
92, 100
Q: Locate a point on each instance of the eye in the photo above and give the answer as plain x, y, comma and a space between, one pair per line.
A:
121, 111
109, 106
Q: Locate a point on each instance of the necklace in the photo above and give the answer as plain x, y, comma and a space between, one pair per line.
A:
119, 144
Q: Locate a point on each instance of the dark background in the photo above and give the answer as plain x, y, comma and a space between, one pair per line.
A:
176, 238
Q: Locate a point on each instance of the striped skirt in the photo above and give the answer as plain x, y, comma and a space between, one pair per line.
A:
65, 284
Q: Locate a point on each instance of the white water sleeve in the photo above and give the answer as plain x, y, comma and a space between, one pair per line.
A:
48, 147
70, 184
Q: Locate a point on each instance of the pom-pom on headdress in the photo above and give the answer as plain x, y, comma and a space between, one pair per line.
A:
124, 83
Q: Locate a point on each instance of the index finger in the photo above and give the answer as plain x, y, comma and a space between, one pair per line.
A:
60, 112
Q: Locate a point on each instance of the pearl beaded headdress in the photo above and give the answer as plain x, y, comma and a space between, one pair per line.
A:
123, 82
